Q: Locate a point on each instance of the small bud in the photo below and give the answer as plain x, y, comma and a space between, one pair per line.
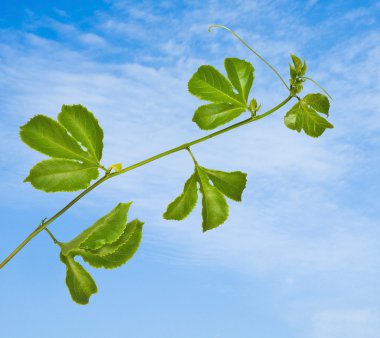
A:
116, 167
253, 107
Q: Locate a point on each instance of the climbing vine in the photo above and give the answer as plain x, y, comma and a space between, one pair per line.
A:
74, 144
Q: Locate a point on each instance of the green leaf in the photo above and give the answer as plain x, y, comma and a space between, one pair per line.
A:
104, 231
210, 85
108, 228
213, 115
297, 63
318, 102
304, 68
84, 127
78, 280
48, 137
61, 175
296, 72
303, 116
181, 207
292, 72
240, 73
118, 253
298, 66
230, 184
214, 205
107, 249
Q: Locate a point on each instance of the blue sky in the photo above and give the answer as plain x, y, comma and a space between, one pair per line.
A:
298, 258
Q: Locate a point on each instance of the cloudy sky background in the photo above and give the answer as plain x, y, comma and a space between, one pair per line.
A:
299, 257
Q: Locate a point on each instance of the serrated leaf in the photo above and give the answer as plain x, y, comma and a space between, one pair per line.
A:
231, 184
78, 280
107, 229
302, 116
48, 137
318, 102
214, 205
240, 73
61, 175
107, 249
210, 85
104, 231
213, 115
125, 248
182, 206
84, 127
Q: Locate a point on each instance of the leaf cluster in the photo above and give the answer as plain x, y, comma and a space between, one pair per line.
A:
228, 97
109, 243
297, 70
306, 115
75, 145
213, 185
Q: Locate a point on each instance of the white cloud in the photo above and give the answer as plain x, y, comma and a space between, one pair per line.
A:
92, 39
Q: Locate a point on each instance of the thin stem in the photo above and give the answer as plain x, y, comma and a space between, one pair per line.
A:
52, 219
107, 176
317, 84
252, 50
104, 168
56, 241
192, 155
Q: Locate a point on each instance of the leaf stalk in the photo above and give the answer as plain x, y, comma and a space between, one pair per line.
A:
56, 241
192, 155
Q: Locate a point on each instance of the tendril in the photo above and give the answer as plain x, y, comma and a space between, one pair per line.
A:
252, 50
318, 85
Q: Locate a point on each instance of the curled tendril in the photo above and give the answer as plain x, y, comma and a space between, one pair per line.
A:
252, 50
318, 85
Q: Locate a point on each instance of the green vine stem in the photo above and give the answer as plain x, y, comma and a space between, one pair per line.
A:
108, 175
252, 50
